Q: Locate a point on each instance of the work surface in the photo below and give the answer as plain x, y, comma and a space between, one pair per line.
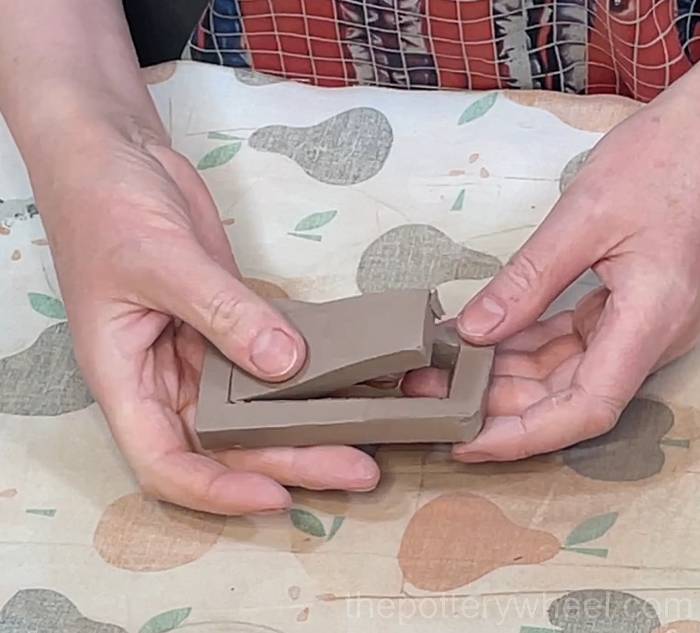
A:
325, 194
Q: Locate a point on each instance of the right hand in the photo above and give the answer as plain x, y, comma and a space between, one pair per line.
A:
146, 273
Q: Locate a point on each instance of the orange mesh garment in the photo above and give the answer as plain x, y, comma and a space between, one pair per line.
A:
630, 47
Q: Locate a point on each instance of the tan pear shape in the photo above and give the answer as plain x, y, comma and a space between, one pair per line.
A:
138, 534
457, 538
598, 114
265, 289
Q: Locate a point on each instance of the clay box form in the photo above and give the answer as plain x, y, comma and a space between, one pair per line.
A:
350, 342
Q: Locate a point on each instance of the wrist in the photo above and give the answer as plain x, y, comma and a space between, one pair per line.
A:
75, 121
71, 161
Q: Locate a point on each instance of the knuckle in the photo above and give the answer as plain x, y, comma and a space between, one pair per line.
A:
523, 271
521, 447
226, 312
601, 424
205, 495
150, 480
149, 487
603, 416
519, 453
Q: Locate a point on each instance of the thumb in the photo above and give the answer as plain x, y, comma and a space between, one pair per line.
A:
245, 328
554, 257
196, 282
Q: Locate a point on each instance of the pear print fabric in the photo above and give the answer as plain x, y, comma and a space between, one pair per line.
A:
326, 194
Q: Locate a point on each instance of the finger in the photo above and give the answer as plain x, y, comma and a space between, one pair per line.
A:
510, 395
198, 283
511, 418
136, 396
151, 438
155, 442
432, 382
315, 468
540, 363
429, 382
539, 333
633, 331
248, 330
201, 483
551, 424
561, 249
588, 312
390, 381
519, 379
563, 376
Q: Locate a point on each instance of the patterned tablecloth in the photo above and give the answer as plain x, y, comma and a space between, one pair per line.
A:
324, 194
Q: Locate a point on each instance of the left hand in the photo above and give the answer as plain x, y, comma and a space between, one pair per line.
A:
633, 216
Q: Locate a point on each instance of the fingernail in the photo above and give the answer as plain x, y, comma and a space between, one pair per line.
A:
364, 474
265, 513
388, 382
473, 457
274, 353
482, 317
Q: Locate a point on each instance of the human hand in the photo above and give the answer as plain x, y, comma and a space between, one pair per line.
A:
146, 273
633, 216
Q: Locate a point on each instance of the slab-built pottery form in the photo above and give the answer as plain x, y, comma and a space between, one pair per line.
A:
350, 342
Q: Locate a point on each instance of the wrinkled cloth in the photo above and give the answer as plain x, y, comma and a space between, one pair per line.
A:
634, 48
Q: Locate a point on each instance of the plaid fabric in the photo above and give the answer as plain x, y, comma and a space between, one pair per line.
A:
631, 47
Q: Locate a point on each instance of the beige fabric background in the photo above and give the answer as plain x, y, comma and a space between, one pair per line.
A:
326, 194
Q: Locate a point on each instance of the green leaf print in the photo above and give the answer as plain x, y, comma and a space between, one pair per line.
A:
46, 305
306, 236
591, 529
335, 526
166, 621
219, 156
478, 109
315, 220
307, 522
588, 551
220, 136
458, 204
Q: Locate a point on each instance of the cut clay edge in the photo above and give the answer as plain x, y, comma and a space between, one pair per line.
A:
406, 318
343, 377
408, 422
422, 430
